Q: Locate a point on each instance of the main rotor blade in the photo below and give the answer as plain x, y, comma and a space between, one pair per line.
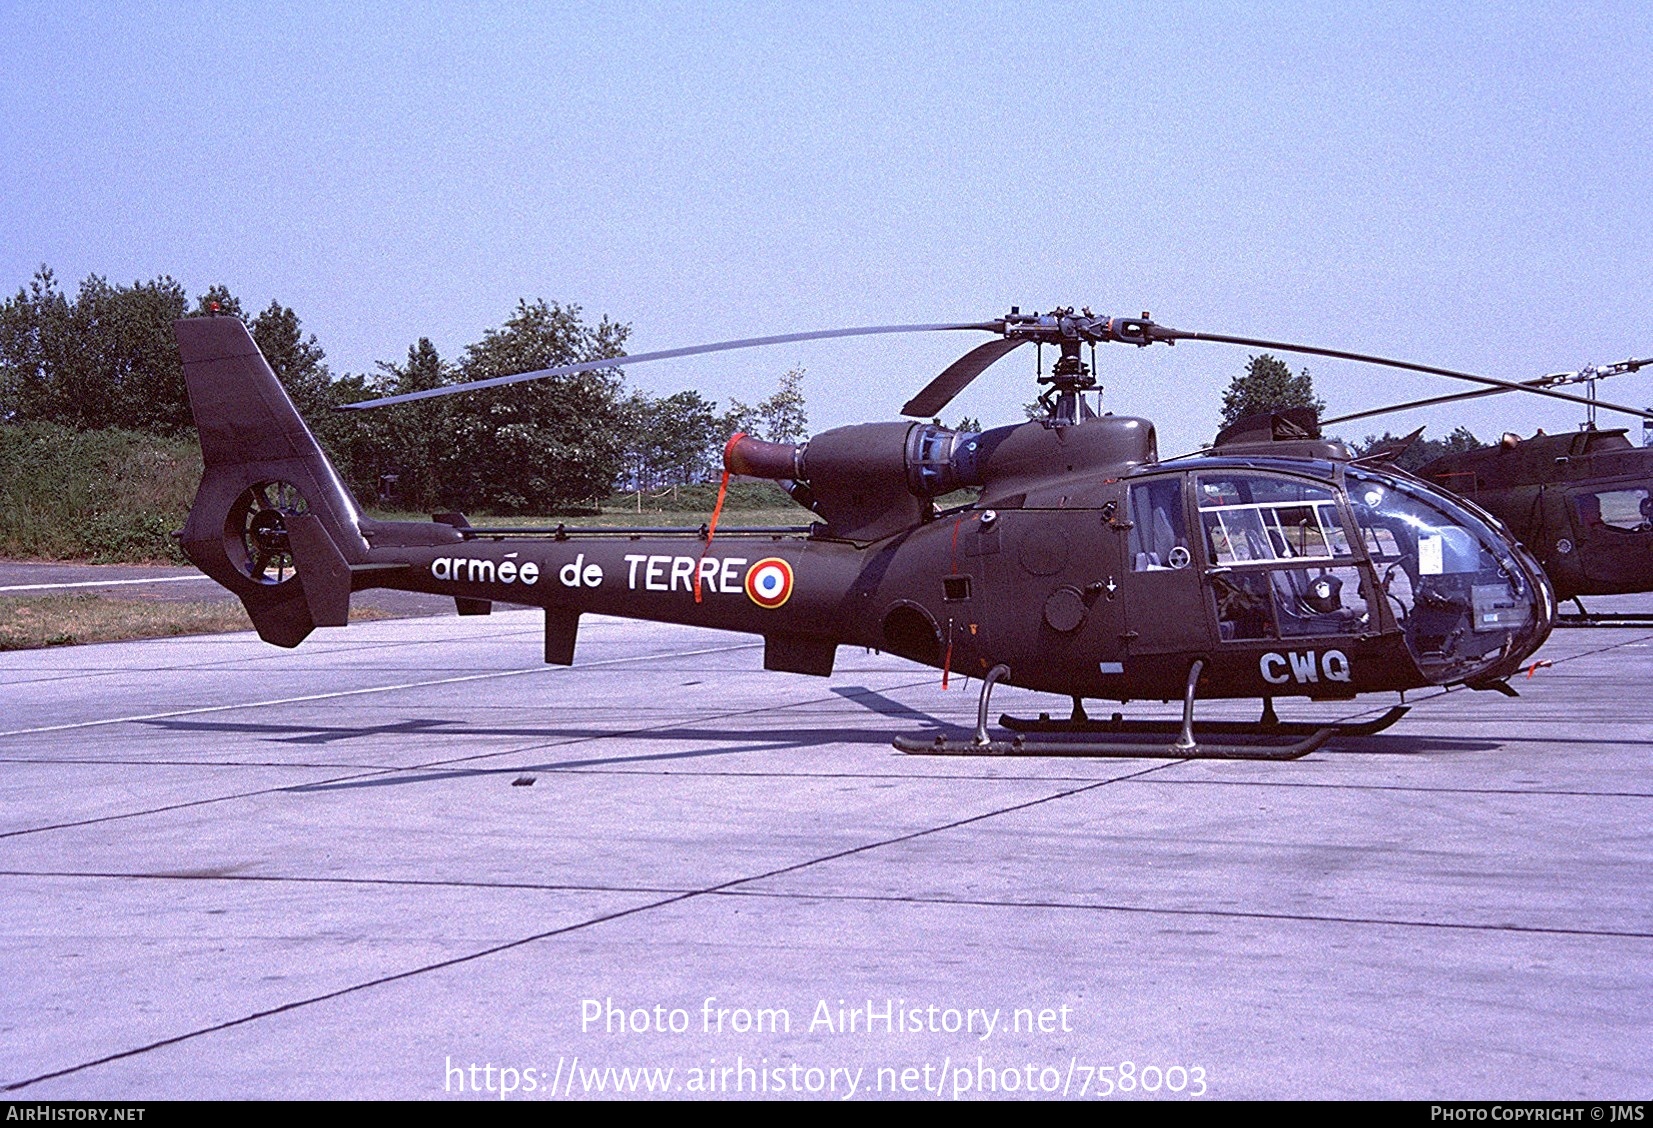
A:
938, 393
1339, 354
664, 354
1431, 402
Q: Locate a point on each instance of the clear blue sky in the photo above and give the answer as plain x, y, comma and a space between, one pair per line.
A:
1468, 188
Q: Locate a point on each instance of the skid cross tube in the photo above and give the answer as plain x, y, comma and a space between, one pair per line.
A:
1185, 741
994, 676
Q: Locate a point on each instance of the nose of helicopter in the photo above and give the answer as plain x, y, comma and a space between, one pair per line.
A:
1539, 614
1472, 602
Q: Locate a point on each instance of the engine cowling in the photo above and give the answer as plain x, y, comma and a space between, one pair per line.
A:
855, 477
873, 480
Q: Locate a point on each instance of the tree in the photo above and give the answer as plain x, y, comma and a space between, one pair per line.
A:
33, 333
539, 446
781, 418
106, 358
143, 355
783, 414
299, 364
404, 441
109, 357
547, 444
741, 419
1268, 385
670, 441
296, 360
218, 300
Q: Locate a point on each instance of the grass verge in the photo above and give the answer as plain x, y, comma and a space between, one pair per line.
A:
64, 620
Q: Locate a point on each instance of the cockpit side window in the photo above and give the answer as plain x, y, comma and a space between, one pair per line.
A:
1628, 508
1252, 519
1281, 563
1159, 533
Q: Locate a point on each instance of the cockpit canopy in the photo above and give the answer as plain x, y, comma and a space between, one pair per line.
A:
1289, 556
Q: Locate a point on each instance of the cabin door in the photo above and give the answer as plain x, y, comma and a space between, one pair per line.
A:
1165, 604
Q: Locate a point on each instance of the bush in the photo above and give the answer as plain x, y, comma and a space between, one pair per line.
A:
109, 495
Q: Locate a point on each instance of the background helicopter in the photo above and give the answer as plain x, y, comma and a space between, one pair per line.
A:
1085, 567
1581, 502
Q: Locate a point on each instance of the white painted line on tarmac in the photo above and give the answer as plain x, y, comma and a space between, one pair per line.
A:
110, 583
378, 689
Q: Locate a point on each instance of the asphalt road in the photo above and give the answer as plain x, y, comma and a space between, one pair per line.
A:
407, 848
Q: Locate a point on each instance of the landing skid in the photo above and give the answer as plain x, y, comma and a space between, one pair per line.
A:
1044, 724
1267, 734
1115, 749
1588, 618
1604, 619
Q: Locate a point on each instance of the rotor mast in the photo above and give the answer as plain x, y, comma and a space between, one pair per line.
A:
1070, 332
1070, 377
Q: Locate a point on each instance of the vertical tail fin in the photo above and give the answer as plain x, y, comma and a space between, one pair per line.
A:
272, 521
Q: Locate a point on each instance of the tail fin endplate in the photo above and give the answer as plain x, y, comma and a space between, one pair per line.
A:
251, 435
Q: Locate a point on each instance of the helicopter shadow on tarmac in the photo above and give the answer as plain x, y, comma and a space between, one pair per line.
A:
320, 734
1400, 744
805, 739
726, 741
889, 707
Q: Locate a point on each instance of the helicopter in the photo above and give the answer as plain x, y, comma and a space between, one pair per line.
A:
1271, 566
1582, 502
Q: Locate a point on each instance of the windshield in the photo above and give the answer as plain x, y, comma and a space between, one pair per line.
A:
1459, 590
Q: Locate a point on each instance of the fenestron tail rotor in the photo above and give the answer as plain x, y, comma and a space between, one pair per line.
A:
256, 531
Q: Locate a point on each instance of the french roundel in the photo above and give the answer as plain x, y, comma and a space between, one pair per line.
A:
769, 582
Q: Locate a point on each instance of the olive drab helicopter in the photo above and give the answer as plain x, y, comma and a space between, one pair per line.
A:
1273, 565
1582, 502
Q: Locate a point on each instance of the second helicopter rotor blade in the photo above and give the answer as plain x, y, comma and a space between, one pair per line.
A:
938, 393
1389, 362
663, 354
1619, 369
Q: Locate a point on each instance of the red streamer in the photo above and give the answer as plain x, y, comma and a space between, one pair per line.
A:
711, 529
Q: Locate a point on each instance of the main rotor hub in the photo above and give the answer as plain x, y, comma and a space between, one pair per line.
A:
1062, 327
